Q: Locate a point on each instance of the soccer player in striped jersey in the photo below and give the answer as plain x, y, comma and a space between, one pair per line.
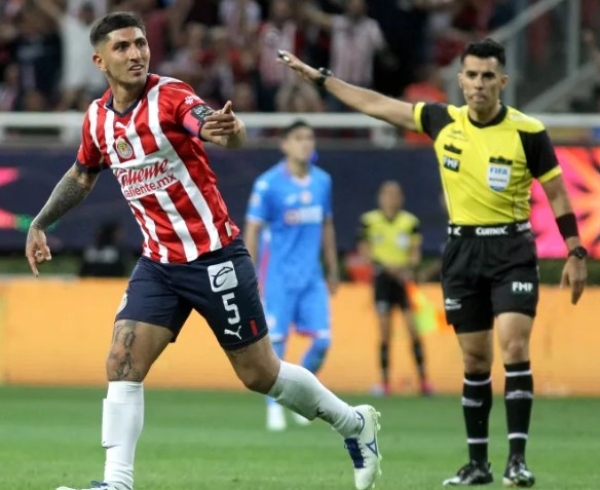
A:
149, 131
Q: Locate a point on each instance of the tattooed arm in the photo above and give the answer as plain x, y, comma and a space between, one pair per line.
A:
72, 189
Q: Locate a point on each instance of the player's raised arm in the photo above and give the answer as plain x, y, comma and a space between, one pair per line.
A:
368, 102
72, 189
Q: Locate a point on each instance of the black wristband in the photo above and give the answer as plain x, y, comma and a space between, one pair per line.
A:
567, 225
325, 72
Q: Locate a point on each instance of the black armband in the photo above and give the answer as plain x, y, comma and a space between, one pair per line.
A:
567, 225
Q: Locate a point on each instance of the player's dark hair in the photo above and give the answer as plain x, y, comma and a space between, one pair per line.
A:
486, 48
295, 125
113, 22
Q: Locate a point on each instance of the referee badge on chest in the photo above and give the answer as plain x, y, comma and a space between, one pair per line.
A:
498, 176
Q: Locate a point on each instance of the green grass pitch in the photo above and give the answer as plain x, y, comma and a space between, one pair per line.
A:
199, 440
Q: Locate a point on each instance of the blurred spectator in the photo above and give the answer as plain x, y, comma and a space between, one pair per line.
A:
9, 88
278, 32
355, 39
297, 96
106, 256
429, 87
241, 18
79, 74
185, 62
37, 51
222, 66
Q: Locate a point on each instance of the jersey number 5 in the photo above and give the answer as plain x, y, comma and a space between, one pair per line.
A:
231, 307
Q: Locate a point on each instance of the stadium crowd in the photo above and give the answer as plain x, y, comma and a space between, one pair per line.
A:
226, 48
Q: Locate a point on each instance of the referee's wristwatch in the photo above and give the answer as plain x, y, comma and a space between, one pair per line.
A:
325, 72
578, 252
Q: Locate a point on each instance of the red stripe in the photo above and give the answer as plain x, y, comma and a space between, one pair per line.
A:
100, 133
192, 218
253, 327
164, 229
152, 245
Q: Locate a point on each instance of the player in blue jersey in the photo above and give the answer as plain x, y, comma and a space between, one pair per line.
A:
290, 207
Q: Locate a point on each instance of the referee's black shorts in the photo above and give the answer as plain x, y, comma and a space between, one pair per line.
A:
487, 271
389, 292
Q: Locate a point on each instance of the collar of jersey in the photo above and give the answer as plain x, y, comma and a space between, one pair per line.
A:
109, 102
494, 122
304, 181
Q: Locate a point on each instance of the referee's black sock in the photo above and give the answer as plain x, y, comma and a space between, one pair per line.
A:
518, 398
384, 363
477, 404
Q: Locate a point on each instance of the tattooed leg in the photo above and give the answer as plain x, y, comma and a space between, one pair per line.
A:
135, 347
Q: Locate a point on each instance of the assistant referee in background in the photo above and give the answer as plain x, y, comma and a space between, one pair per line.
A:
389, 237
488, 156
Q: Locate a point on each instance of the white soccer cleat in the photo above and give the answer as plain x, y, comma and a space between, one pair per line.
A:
275, 418
364, 450
96, 485
300, 420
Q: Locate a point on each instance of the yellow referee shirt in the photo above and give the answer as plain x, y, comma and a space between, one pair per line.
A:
390, 241
487, 170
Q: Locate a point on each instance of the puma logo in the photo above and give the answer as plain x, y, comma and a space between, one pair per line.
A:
234, 333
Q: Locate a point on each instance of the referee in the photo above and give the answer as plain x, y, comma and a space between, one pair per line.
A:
488, 155
389, 237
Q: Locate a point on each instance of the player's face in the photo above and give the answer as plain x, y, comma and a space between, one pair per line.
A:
299, 145
390, 197
482, 80
124, 56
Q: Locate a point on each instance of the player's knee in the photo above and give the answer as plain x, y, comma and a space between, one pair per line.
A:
476, 361
121, 366
515, 349
258, 378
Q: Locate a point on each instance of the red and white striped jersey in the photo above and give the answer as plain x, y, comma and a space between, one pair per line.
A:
163, 170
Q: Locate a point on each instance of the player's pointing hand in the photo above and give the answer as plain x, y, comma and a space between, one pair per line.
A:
36, 250
223, 122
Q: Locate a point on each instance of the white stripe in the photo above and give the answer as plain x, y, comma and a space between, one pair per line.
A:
477, 383
93, 115
517, 435
470, 402
477, 441
109, 136
514, 374
519, 395
134, 138
151, 227
181, 172
179, 225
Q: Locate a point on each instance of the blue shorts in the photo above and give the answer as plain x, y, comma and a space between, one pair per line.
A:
307, 309
220, 285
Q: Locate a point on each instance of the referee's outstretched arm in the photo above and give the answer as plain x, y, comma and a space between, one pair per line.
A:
368, 102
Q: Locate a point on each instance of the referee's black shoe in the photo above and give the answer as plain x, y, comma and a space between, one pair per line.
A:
473, 473
517, 474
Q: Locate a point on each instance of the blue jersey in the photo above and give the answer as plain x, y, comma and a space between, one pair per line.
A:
293, 211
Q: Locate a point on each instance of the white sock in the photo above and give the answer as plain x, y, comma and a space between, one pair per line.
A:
299, 390
122, 423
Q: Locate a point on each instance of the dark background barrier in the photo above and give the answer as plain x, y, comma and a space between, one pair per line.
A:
27, 178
